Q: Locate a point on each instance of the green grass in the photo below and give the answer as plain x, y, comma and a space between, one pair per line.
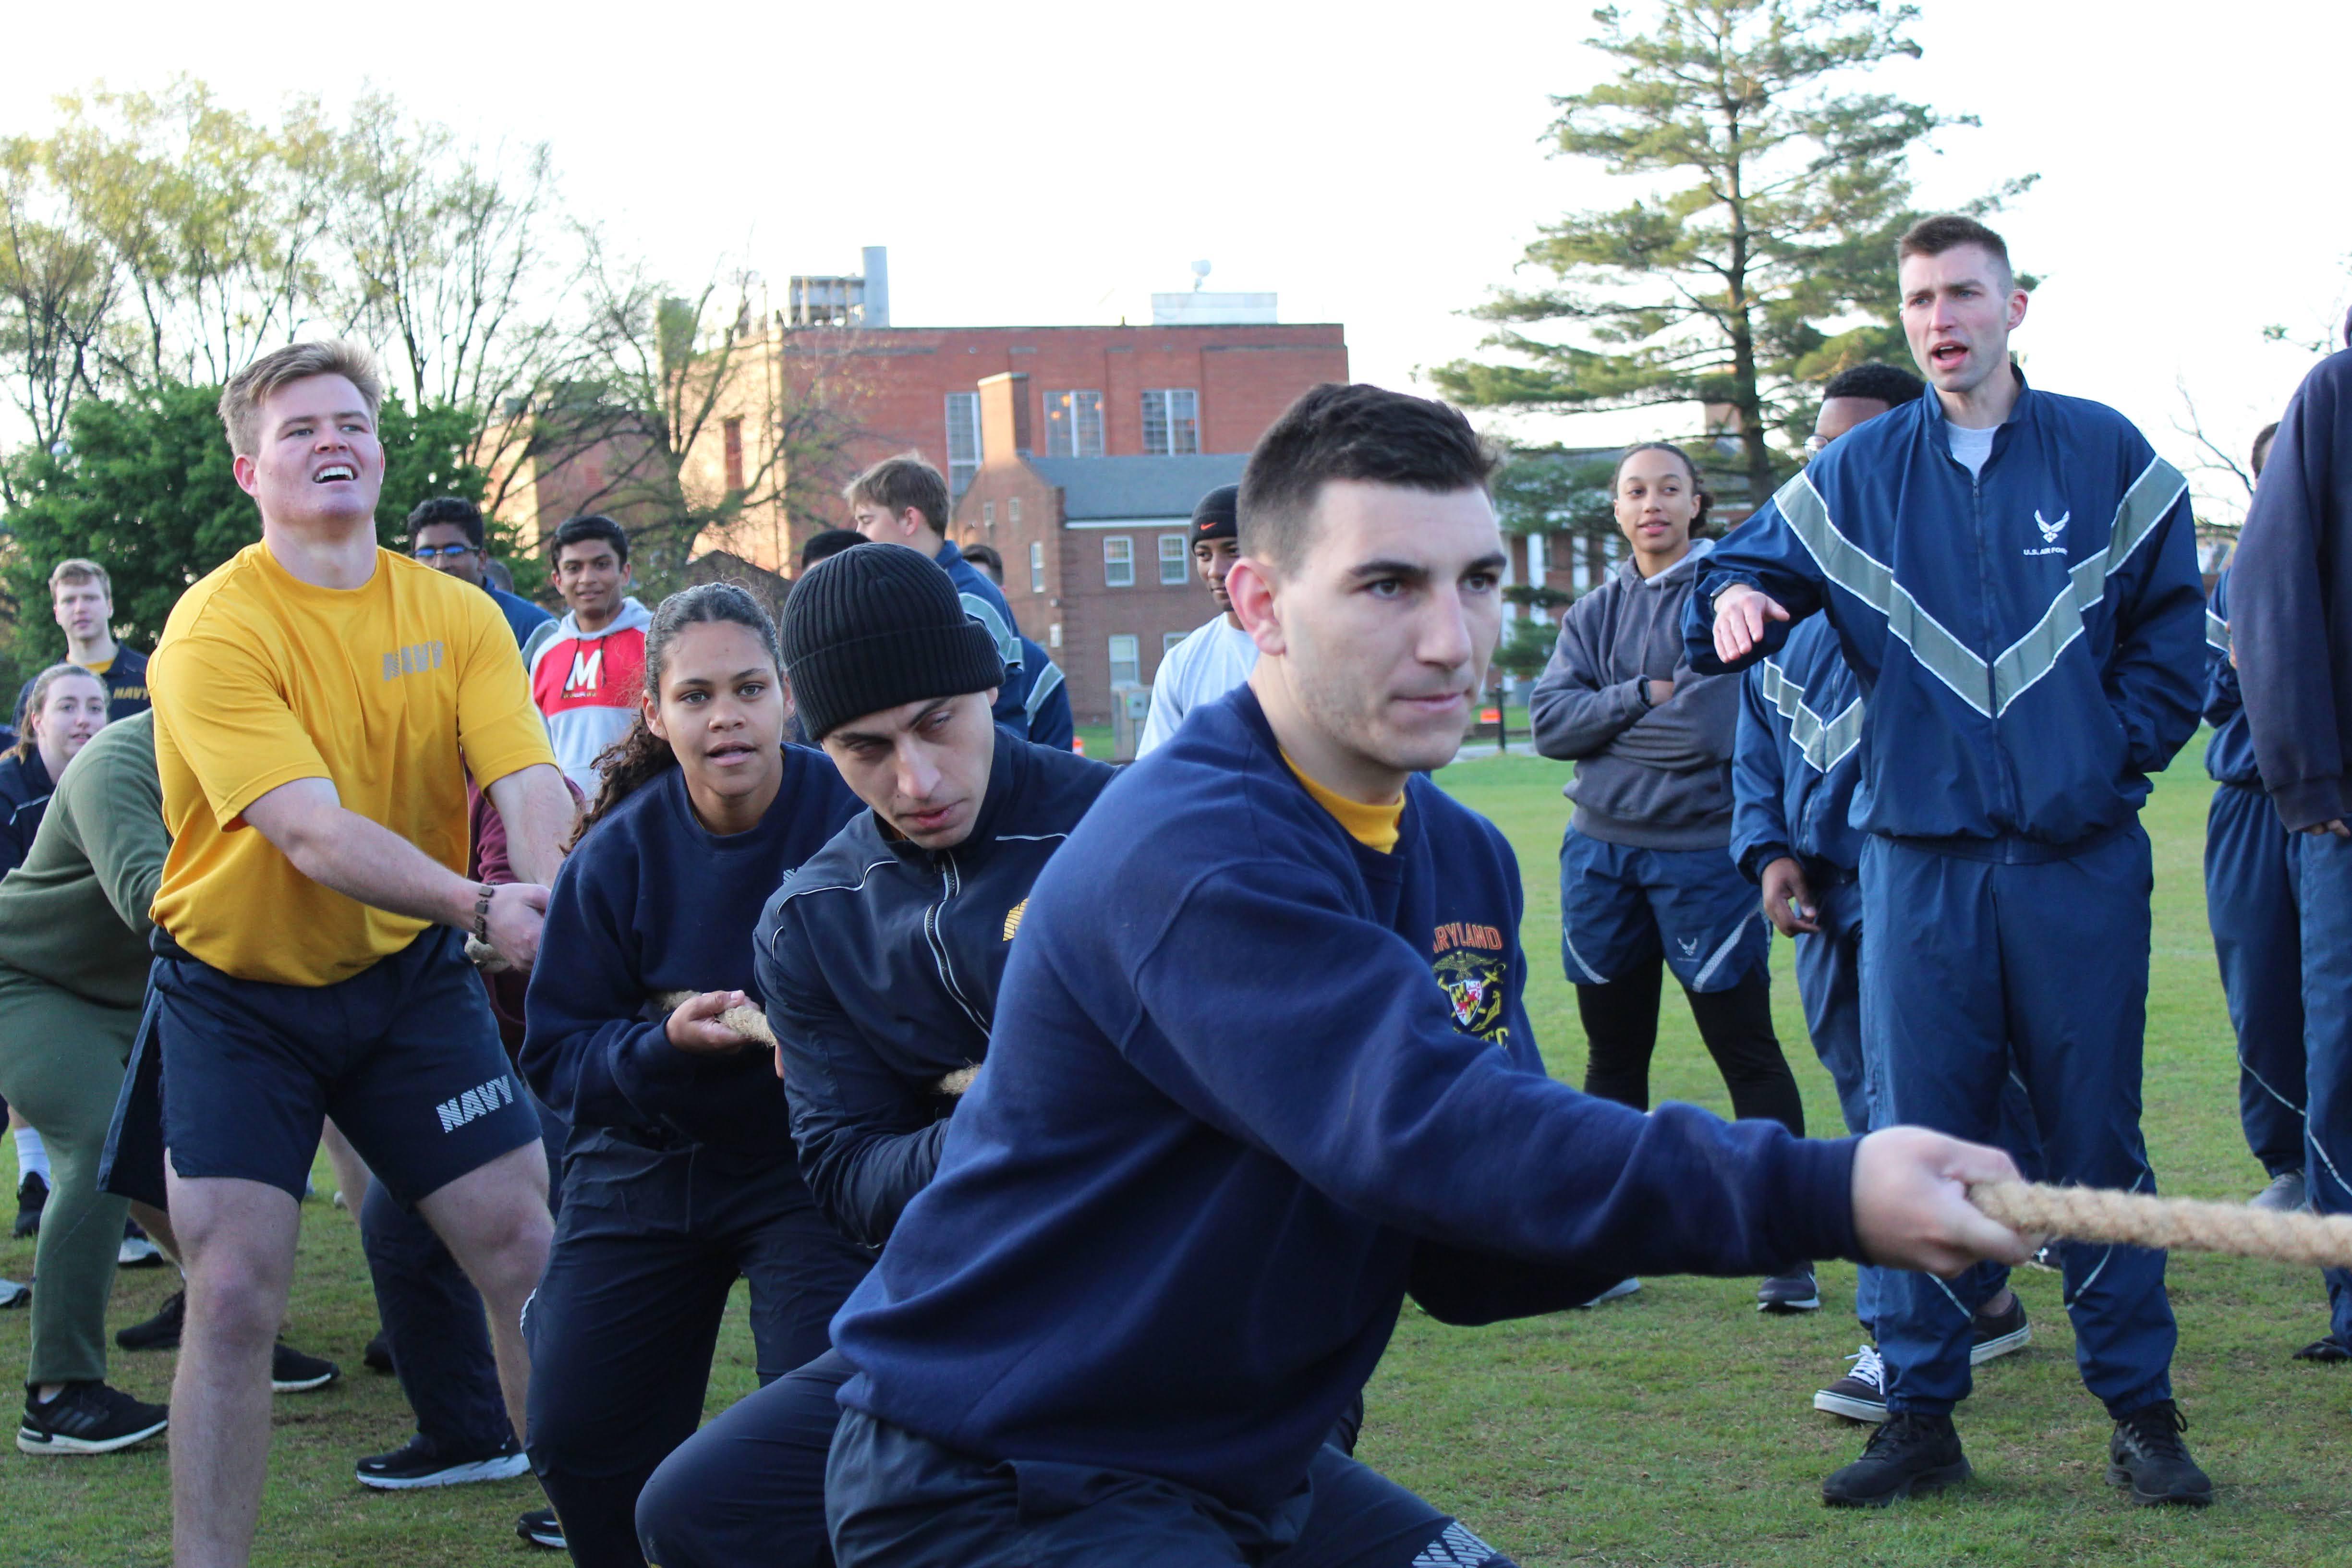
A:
1674, 1428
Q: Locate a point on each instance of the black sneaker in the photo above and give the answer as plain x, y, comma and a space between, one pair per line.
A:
377, 1357
2286, 1195
1795, 1291
541, 1528
291, 1372
32, 1195
87, 1418
2147, 1455
1861, 1394
14, 1295
138, 1249
1995, 1334
420, 1463
2046, 1259
1909, 1454
2326, 1350
160, 1332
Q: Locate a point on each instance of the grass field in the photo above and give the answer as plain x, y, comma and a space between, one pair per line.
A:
1673, 1428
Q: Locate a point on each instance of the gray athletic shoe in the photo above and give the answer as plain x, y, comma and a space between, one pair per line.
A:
2286, 1195
14, 1295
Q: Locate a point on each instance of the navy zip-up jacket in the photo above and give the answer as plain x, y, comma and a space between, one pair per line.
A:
2290, 603
879, 962
1250, 1083
25, 791
2229, 754
652, 901
1795, 766
2028, 642
984, 602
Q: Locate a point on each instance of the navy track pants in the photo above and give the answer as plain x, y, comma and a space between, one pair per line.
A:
2254, 905
1971, 967
626, 1319
2326, 883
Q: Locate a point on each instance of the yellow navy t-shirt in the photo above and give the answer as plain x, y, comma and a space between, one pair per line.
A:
392, 690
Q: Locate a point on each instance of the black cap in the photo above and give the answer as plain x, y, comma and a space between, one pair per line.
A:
1219, 514
875, 626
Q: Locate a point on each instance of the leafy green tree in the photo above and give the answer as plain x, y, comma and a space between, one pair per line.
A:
147, 489
1778, 193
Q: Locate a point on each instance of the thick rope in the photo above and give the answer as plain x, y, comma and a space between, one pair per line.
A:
751, 1025
2177, 1225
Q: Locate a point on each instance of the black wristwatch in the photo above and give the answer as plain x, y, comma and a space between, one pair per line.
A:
482, 911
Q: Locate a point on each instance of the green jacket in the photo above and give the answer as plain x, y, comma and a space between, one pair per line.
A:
75, 913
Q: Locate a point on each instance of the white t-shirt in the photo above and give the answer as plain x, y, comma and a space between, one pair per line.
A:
1207, 664
1971, 448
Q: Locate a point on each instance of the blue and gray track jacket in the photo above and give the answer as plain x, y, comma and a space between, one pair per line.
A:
1250, 1083
1795, 764
879, 962
2290, 603
1033, 702
2030, 642
2229, 754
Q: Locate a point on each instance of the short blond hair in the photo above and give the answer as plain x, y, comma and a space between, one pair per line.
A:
77, 570
248, 389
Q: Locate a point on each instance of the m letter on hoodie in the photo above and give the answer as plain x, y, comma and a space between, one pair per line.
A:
587, 685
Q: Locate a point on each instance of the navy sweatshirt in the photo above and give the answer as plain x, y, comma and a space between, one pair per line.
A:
652, 902
25, 791
880, 961
2290, 603
2229, 754
1250, 1083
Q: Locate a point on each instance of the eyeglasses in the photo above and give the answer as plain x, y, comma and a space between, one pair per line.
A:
428, 554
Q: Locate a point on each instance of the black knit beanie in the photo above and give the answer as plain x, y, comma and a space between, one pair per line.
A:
1219, 514
875, 626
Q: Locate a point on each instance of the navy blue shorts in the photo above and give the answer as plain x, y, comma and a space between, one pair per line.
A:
403, 1055
1621, 906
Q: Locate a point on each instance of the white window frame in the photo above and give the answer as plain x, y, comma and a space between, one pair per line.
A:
1134, 660
1119, 561
1074, 422
988, 514
1012, 512
1171, 408
1167, 641
964, 450
1037, 565
1176, 565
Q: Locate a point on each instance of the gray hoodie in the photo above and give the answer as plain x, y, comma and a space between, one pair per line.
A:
1655, 778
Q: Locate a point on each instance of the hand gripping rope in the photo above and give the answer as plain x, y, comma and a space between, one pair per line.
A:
751, 1025
2177, 1225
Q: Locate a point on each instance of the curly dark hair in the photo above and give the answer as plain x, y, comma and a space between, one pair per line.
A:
640, 757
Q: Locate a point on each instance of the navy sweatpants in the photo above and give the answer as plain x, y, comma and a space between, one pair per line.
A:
626, 1319
896, 1500
2326, 883
1829, 983
1969, 967
2255, 908
434, 1320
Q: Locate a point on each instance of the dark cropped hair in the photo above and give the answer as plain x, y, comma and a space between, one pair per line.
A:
894, 484
1887, 384
1364, 433
2262, 453
830, 543
1698, 486
985, 557
1948, 231
594, 525
637, 758
441, 509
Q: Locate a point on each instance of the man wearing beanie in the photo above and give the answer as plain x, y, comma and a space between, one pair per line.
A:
1215, 657
879, 959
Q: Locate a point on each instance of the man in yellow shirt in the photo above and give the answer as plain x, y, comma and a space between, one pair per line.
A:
320, 703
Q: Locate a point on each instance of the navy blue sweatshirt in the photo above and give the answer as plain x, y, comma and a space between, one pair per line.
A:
25, 791
2229, 754
1250, 1083
652, 902
880, 960
2290, 603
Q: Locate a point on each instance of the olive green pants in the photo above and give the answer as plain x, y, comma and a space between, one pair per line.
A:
61, 1061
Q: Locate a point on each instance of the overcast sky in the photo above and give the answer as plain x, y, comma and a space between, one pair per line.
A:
1056, 163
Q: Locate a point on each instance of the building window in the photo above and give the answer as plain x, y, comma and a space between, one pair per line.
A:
1172, 422
1123, 667
1118, 563
1074, 425
1167, 641
1037, 565
1013, 510
731, 430
963, 439
988, 514
1173, 568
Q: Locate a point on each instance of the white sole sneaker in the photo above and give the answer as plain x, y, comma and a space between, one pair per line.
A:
1863, 1410
2000, 1345
56, 1445
505, 1467
136, 1252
